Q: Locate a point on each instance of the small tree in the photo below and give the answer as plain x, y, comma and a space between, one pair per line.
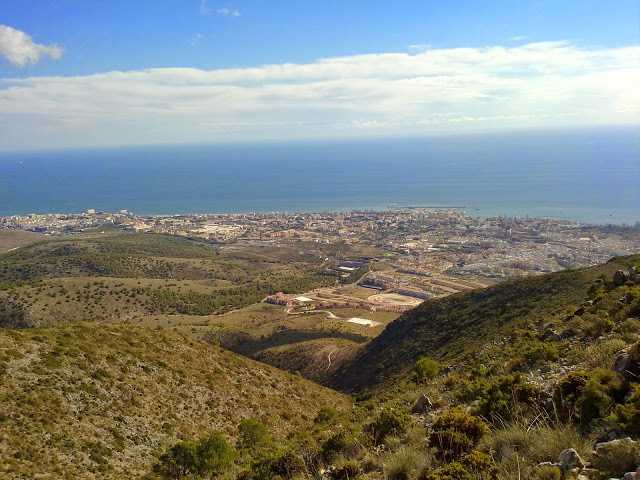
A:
426, 368
252, 435
210, 457
455, 433
389, 422
215, 455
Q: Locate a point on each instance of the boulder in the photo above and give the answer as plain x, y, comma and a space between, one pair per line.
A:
616, 457
551, 335
620, 277
627, 362
570, 459
422, 405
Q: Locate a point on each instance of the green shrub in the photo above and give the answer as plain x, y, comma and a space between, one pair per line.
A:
338, 444
499, 398
450, 471
402, 464
281, 465
326, 415
426, 368
252, 435
480, 465
389, 422
346, 471
455, 432
547, 472
211, 457
602, 390
596, 325
626, 417
586, 396
473, 466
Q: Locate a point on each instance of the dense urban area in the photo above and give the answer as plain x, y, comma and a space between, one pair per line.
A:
404, 256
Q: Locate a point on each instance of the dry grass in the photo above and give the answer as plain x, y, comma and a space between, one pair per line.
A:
103, 401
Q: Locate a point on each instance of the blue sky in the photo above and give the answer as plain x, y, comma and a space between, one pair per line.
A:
203, 40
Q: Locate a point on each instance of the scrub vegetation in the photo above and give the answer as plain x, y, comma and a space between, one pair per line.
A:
105, 372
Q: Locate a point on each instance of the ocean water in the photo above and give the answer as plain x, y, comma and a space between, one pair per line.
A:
585, 175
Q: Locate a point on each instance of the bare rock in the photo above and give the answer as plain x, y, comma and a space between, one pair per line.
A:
627, 361
422, 405
620, 277
616, 457
570, 459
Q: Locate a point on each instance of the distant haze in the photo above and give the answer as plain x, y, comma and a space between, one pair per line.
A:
588, 175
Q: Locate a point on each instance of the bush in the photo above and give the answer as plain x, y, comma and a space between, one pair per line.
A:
402, 464
325, 415
534, 353
533, 445
626, 417
547, 472
426, 368
338, 444
252, 435
596, 326
455, 433
389, 422
347, 471
589, 395
474, 466
283, 465
451, 471
480, 465
211, 456
498, 398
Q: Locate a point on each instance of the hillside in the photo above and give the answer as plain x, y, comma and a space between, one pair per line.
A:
128, 277
456, 326
90, 401
115, 362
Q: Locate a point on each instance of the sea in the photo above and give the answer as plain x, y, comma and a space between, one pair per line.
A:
588, 175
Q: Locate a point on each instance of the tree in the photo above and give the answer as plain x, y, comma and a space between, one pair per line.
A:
252, 435
426, 368
210, 457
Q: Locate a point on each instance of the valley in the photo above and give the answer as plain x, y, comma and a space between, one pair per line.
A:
118, 347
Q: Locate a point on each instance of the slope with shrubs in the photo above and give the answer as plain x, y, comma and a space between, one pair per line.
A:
106, 401
512, 391
457, 326
125, 276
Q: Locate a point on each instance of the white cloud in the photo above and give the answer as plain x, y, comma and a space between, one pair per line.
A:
206, 9
417, 47
228, 12
21, 50
543, 84
197, 39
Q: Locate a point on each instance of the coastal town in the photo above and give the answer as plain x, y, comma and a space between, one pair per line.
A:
390, 260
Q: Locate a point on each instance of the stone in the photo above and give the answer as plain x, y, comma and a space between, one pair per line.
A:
620, 277
627, 362
570, 459
422, 405
550, 334
629, 476
617, 456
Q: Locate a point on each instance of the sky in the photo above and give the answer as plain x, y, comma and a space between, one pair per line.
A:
79, 74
